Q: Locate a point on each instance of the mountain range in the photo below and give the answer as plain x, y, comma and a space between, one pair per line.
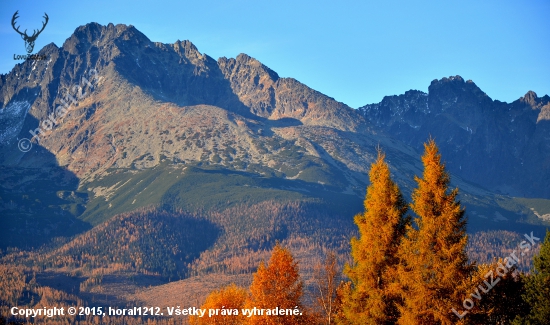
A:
144, 135
501, 146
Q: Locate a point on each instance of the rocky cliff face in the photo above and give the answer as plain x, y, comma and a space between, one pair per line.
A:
111, 98
498, 145
122, 121
269, 96
125, 123
131, 66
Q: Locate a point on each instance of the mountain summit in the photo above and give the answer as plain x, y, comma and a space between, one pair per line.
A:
155, 162
502, 146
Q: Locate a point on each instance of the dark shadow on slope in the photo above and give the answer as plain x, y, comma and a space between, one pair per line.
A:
165, 76
146, 241
169, 77
38, 198
265, 126
60, 281
283, 122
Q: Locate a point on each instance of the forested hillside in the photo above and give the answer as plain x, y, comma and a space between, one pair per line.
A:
171, 175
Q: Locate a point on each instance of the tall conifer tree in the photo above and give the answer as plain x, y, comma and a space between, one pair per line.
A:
537, 288
434, 265
498, 304
370, 299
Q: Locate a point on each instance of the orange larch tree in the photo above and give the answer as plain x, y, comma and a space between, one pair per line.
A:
372, 296
277, 284
434, 267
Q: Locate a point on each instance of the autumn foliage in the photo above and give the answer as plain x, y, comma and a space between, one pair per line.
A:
402, 271
434, 265
372, 298
228, 298
277, 284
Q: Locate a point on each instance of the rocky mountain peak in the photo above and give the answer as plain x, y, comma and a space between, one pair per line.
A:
454, 83
470, 127
249, 66
454, 92
188, 53
533, 101
95, 34
452, 79
130, 66
186, 47
530, 97
244, 59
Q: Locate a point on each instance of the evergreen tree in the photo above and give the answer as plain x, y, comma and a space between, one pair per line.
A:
434, 266
537, 288
497, 301
371, 297
277, 284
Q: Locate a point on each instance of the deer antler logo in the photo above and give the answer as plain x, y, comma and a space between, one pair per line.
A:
29, 40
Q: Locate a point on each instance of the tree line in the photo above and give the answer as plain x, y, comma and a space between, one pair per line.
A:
403, 271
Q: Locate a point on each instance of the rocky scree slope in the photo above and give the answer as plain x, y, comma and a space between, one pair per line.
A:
156, 111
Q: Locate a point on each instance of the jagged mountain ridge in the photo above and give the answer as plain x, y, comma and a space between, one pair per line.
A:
157, 103
166, 130
504, 147
173, 73
156, 107
179, 73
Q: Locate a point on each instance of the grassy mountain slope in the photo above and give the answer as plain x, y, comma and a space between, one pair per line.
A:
177, 166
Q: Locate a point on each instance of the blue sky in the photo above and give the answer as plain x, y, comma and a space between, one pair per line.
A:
354, 51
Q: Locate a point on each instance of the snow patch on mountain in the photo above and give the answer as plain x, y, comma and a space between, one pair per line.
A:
11, 120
